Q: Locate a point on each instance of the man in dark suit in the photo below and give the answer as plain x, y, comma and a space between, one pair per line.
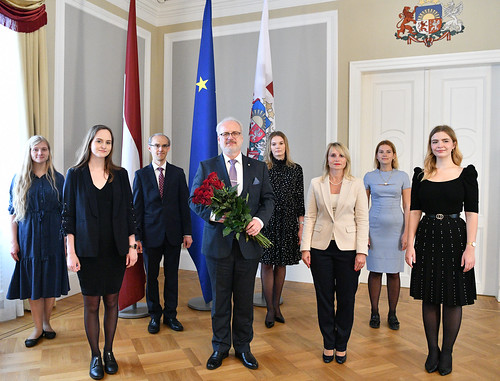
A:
232, 264
164, 223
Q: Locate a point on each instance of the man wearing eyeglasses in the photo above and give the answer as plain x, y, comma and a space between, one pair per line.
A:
164, 224
232, 264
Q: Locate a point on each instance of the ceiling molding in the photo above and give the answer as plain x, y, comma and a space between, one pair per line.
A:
173, 12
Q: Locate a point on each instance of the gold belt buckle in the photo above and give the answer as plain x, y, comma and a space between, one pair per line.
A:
439, 216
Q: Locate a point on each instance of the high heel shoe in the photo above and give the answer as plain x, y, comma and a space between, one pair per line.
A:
327, 358
340, 359
445, 363
432, 362
269, 324
279, 319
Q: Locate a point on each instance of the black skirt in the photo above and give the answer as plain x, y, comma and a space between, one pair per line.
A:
437, 276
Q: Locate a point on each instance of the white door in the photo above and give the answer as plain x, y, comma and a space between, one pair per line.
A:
404, 106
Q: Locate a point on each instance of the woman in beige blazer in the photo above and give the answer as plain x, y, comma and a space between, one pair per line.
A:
334, 246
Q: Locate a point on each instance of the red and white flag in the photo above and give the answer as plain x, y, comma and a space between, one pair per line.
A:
132, 141
133, 282
262, 115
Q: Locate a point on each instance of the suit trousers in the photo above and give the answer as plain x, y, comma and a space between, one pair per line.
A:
232, 277
333, 274
152, 258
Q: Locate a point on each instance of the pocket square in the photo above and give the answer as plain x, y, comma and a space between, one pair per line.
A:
255, 181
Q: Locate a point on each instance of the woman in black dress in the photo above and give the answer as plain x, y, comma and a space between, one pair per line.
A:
37, 245
285, 227
99, 222
442, 257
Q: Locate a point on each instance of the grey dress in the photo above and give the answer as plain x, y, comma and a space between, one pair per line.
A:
386, 220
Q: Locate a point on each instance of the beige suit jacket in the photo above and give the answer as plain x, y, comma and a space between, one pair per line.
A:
349, 224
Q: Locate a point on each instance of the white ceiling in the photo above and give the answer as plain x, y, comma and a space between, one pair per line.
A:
170, 12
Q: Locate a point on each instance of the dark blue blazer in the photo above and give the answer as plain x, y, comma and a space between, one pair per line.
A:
161, 218
80, 214
256, 184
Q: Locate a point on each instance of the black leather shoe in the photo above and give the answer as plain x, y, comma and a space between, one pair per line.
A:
393, 322
110, 364
154, 325
375, 321
445, 363
432, 362
32, 342
215, 360
279, 319
327, 359
96, 370
173, 323
49, 335
340, 359
247, 359
269, 324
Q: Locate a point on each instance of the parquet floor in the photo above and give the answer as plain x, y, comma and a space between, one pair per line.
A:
290, 351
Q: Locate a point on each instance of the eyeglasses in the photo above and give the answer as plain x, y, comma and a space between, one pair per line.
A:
157, 146
233, 134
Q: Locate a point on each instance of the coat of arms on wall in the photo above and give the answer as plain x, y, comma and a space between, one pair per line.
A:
429, 21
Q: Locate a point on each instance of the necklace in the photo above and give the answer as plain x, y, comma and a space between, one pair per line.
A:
331, 182
386, 182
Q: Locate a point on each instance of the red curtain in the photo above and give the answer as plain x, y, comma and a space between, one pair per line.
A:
21, 20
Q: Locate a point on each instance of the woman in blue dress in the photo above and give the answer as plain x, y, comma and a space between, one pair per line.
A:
37, 245
388, 229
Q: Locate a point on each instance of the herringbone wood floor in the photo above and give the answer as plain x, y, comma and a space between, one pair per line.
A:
290, 351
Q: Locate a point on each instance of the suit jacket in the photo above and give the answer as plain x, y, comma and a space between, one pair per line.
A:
256, 185
160, 219
80, 214
349, 224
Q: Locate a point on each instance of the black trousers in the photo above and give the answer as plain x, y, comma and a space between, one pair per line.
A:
152, 258
232, 277
333, 274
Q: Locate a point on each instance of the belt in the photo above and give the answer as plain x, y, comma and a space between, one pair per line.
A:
440, 216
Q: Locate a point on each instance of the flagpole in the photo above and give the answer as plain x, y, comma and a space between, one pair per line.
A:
262, 116
203, 146
132, 289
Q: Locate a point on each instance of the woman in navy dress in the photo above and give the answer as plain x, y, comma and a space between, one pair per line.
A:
37, 245
285, 226
99, 222
387, 186
442, 257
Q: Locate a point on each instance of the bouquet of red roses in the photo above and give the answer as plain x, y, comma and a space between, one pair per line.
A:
225, 202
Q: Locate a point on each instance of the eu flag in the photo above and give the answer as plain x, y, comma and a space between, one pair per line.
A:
203, 137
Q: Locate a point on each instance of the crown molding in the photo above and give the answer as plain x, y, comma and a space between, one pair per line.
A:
173, 12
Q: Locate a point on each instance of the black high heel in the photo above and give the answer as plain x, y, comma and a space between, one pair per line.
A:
327, 358
432, 362
445, 363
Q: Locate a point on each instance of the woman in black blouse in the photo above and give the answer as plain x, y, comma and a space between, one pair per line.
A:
99, 222
442, 257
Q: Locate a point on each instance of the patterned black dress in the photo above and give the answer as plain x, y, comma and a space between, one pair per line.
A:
437, 276
283, 227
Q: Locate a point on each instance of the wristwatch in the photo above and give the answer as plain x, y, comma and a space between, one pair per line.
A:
134, 246
473, 243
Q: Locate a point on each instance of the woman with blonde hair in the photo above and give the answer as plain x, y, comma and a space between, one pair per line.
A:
386, 186
99, 223
37, 245
441, 245
285, 226
334, 246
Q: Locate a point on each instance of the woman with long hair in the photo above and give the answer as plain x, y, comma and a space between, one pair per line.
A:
285, 226
100, 226
37, 245
386, 186
442, 257
334, 246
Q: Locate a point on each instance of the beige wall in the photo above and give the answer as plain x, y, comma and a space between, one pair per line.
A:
366, 32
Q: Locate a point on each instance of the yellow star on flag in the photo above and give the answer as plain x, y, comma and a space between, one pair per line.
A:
202, 84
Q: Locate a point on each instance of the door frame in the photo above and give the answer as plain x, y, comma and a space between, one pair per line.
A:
359, 68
